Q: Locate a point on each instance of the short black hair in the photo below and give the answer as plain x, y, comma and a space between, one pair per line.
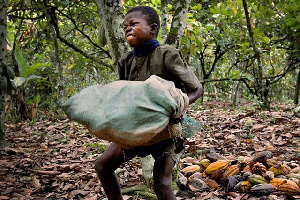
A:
149, 12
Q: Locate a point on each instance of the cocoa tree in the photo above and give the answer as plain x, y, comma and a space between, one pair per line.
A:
178, 22
111, 15
297, 90
3, 75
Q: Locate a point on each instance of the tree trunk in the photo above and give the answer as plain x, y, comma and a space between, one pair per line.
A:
297, 90
51, 18
163, 16
258, 74
3, 34
178, 22
236, 93
110, 12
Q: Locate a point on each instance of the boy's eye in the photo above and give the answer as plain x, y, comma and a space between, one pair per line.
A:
132, 24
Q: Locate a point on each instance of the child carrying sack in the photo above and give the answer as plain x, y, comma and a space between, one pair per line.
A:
127, 112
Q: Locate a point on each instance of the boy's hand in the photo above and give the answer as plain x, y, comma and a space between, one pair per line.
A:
193, 96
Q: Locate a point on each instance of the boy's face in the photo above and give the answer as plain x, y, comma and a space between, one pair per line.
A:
137, 29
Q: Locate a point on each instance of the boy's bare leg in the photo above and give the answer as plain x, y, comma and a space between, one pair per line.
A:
162, 175
105, 166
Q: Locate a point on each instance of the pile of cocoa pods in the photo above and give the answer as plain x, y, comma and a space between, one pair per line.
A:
260, 175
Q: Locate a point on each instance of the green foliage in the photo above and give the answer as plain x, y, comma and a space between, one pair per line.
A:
99, 148
215, 43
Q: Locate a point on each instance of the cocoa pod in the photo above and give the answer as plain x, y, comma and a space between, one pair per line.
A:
220, 164
255, 179
216, 175
196, 175
285, 185
276, 169
211, 183
258, 168
231, 170
189, 170
296, 170
10, 72
204, 163
262, 189
286, 169
197, 184
243, 186
293, 175
231, 182
269, 175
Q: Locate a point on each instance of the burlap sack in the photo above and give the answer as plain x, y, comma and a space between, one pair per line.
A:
130, 113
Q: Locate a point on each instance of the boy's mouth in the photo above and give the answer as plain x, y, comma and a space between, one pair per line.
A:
129, 36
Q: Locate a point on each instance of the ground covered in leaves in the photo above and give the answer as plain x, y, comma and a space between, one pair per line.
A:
54, 159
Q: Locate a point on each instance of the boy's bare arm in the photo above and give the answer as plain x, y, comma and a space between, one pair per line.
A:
193, 96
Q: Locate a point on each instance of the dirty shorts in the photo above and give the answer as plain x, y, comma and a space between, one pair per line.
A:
173, 147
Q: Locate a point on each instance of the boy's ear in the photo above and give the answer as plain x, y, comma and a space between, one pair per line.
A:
154, 27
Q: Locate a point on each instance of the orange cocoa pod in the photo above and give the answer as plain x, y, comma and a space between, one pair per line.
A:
220, 164
231, 170
191, 169
285, 185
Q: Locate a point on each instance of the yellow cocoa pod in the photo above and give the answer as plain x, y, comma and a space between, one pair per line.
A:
219, 164
255, 179
243, 186
191, 169
204, 163
285, 185
276, 169
231, 170
247, 168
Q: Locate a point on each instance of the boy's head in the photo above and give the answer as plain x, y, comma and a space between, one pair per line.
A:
141, 24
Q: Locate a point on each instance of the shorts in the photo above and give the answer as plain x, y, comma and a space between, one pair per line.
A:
173, 147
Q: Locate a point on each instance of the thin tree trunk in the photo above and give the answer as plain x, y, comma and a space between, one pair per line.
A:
112, 17
178, 22
18, 102
297, 90
163, 16
3, 34
259, 80
236, 94
51, 17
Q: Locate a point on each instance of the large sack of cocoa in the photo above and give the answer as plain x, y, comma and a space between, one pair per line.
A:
127, 112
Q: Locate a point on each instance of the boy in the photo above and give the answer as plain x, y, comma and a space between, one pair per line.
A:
147, 58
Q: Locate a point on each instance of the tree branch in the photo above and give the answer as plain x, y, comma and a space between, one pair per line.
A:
31, 18
63, 40
85, 35
242, 79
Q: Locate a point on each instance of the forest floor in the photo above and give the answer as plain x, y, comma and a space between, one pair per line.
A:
54, 159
